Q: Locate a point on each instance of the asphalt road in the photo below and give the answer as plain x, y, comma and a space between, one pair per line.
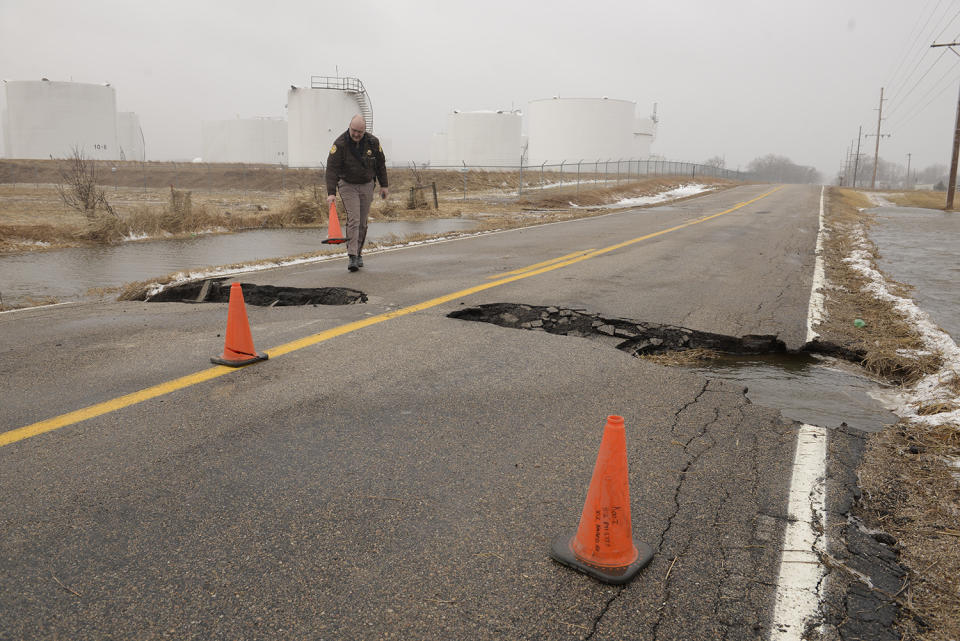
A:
394, 473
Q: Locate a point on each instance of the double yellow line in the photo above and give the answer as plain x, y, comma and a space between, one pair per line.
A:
112, 405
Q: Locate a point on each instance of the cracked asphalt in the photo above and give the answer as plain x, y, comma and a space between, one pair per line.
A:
404, 479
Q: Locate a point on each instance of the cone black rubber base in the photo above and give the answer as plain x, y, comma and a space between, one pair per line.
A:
219, 360
334, 241
560, 551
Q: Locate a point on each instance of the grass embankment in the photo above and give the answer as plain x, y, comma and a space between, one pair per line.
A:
225, 198
908, 489
924, 199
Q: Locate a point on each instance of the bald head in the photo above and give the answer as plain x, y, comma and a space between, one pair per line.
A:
357, 128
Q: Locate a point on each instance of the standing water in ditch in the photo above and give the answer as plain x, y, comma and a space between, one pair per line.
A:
68, 274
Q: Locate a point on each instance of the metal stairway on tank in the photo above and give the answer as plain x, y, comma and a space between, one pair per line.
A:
352, 86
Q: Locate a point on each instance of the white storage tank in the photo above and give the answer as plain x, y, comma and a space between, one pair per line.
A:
47, 118
591, 129
130, 137
483, 139
245, 140
318, 114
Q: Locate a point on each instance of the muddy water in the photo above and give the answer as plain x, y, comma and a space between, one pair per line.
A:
68, 274
920, 247
815, 390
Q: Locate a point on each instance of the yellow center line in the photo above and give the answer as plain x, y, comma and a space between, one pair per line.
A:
112, 405
536, 265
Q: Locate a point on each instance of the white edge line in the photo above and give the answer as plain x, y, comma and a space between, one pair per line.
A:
816, 311
799, 592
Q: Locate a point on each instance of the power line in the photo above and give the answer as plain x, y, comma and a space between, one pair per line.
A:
923, 53
917, 109
893, 109
906, 52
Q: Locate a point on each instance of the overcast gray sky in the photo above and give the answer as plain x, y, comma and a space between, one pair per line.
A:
733, 78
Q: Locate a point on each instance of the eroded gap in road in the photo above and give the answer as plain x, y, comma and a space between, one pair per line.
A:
634, 337
813, 385
216, 290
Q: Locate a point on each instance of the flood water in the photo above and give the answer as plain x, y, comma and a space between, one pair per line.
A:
920, 247
68, 274
815, 390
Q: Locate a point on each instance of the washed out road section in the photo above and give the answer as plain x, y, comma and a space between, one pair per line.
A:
405, 479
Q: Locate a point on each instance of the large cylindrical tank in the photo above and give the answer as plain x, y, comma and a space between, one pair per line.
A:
316, 117
644, 133
247, 140
483, 138
130, 136
571, 129
46, 118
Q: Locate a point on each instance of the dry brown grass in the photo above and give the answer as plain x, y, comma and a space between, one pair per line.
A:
908, 490
910, 494
682, 358
887, 341
33, 216
925, 199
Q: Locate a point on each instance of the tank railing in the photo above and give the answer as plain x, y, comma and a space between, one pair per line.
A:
334, 82
353, 85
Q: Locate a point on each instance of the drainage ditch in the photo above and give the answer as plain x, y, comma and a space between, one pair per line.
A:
819, 384
217, 291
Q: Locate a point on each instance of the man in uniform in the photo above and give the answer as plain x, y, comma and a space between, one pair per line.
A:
355, 159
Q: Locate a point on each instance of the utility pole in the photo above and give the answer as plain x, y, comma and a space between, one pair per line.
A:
876, 150
856, 161
956, 139
908, 170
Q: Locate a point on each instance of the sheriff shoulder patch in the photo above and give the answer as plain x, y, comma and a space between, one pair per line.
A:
333, 150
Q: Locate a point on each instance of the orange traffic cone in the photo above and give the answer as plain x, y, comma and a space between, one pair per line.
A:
334, 235
603, 546
238, 347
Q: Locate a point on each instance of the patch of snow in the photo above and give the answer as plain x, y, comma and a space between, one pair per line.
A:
678, 192
933, 388
878, 199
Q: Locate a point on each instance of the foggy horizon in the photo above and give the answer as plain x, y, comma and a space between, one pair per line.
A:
738, 81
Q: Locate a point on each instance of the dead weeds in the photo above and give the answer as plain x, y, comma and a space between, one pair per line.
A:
910, 493
887, 342
908, 489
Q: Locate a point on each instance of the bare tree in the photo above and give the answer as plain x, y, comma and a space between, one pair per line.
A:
79, 188
715, 161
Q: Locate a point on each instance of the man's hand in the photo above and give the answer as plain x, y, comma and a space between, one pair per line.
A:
330, 199
384, 191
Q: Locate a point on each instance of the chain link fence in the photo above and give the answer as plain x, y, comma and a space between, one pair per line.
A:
516, 179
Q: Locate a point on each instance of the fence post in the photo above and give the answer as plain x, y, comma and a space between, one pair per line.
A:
464, 171
562, 162
436, 203
520, 190
578, 177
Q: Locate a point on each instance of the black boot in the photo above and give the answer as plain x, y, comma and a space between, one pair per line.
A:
352, 266
359, 260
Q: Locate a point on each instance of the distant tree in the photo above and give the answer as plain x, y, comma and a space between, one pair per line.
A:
716, 161
80, 188
781, 169
933, 174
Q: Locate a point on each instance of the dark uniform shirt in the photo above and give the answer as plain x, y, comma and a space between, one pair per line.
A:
355, 162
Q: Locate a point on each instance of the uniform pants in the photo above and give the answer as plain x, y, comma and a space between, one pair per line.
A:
357, 199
